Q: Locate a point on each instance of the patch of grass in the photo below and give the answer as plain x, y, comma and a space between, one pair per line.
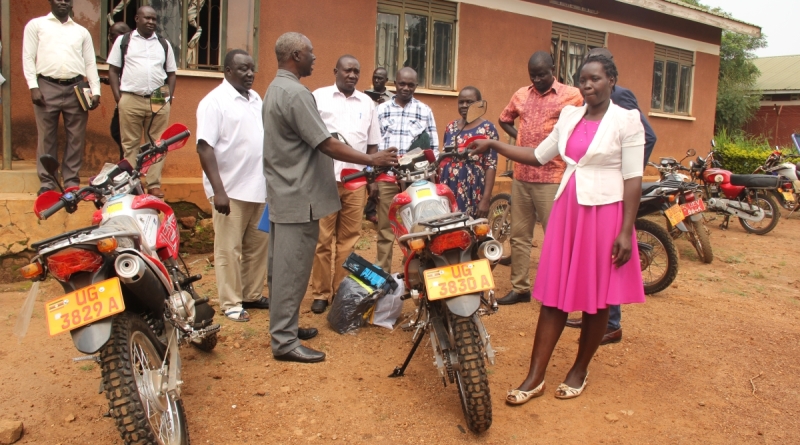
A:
782, 264
757, 274
88, 367
734, 292
734, 259
363, 243
689, 254
248, 332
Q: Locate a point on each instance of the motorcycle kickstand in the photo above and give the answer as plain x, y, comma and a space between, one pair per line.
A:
400, 370
724, 224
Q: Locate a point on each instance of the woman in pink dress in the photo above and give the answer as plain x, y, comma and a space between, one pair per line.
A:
588, 259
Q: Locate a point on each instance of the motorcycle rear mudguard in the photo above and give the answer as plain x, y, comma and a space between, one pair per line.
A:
90, 338
465, 305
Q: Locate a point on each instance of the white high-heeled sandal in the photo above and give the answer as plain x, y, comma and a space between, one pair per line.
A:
567, 392
518, 396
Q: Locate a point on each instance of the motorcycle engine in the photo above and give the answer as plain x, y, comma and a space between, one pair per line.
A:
182, 304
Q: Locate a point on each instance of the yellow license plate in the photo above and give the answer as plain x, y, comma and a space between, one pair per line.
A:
84, 306
675, 214
788, 196
459, 279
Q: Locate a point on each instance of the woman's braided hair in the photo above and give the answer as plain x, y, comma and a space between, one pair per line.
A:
609, 66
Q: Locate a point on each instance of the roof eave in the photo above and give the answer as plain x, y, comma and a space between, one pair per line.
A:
696, 15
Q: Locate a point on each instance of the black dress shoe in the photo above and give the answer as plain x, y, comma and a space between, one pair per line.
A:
301, 354
307, 334
318, 306
574, 322
514, 298
261, 303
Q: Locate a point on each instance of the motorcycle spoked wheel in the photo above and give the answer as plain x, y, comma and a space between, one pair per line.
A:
772, 214
143, 416
657, 256
698, 236
472, 381
500, 224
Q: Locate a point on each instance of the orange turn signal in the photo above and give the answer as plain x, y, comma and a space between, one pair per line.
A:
481, 229
416, 244
106, 245
32, 270
671, 198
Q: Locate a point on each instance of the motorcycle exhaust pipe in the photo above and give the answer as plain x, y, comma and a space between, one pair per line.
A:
490, 250
137, 277
751, 213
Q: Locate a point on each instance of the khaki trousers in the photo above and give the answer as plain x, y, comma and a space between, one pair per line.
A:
240, 253
529, 200
60, 100
134, 118
338, 232
386, 192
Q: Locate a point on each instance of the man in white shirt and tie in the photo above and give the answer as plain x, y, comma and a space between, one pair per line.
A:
57, 53
352, 114
135, 71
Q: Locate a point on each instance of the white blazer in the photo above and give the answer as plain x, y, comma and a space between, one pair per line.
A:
615, 154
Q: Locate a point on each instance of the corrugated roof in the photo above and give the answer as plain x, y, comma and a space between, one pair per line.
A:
781, 73
709, 11
688, 11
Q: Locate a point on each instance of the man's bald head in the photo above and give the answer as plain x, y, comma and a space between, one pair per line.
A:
407, 71
146, 21
145, 9
345, 58
116, 30
405, 83
541, 59
540, 70
600, 52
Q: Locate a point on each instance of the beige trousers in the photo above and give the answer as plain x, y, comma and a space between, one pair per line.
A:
529, 200
338, 234
386, 192
240, 253
134, 118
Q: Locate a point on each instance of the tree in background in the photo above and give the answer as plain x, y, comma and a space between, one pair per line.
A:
737, 97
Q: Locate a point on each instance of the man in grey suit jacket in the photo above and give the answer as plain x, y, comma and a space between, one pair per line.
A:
627, 100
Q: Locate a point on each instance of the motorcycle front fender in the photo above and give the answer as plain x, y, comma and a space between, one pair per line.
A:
682, 227
465, 305
90, 338
697, 217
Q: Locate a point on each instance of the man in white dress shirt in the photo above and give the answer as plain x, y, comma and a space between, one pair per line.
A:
230, 141
135, 71
352, 114
56, 54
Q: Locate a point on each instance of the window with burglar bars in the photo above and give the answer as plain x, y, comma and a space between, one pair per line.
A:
210, 28
419, 34
568, 46
672, 80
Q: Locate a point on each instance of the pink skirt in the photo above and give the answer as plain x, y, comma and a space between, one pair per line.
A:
576, 272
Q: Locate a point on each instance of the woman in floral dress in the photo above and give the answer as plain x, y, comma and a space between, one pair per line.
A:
471, 181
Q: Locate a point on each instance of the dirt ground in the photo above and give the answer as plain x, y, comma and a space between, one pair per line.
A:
712, 359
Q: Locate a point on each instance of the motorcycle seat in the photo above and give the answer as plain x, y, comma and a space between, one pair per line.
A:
648, 187
756, 181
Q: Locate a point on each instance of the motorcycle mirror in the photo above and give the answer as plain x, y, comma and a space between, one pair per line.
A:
713, 143
50, 164
691, 152
159, 99
475, 111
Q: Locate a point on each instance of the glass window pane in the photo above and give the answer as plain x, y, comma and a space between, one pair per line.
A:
671, 87
416, 45
685, 89
386, 34
658, 83
239, 30
576, 52
562, 62
442, 49
169, 23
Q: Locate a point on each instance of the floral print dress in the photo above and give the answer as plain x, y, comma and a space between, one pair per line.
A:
468, 179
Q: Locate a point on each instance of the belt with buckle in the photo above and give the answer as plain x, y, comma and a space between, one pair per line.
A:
72, 81
146, 96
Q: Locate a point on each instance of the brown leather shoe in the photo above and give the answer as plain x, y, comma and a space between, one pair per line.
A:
612, 336
156, 191
574, 322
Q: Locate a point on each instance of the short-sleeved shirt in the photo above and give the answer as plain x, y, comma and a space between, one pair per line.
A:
144, 63
301, 186
353, 117
233, 127
401, 125
538, 114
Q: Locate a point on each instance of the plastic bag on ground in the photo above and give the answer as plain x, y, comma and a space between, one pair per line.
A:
389, 307
352, 306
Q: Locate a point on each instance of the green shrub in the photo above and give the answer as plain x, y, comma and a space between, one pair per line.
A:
741, 154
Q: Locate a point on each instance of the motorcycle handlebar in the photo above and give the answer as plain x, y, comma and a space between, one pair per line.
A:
349, 178
52, 210
169, 141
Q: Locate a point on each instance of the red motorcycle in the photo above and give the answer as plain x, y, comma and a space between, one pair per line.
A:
746, 197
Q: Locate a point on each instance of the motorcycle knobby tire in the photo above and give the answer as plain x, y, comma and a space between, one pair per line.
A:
471, 380
125, 404
663, 237
698, 235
